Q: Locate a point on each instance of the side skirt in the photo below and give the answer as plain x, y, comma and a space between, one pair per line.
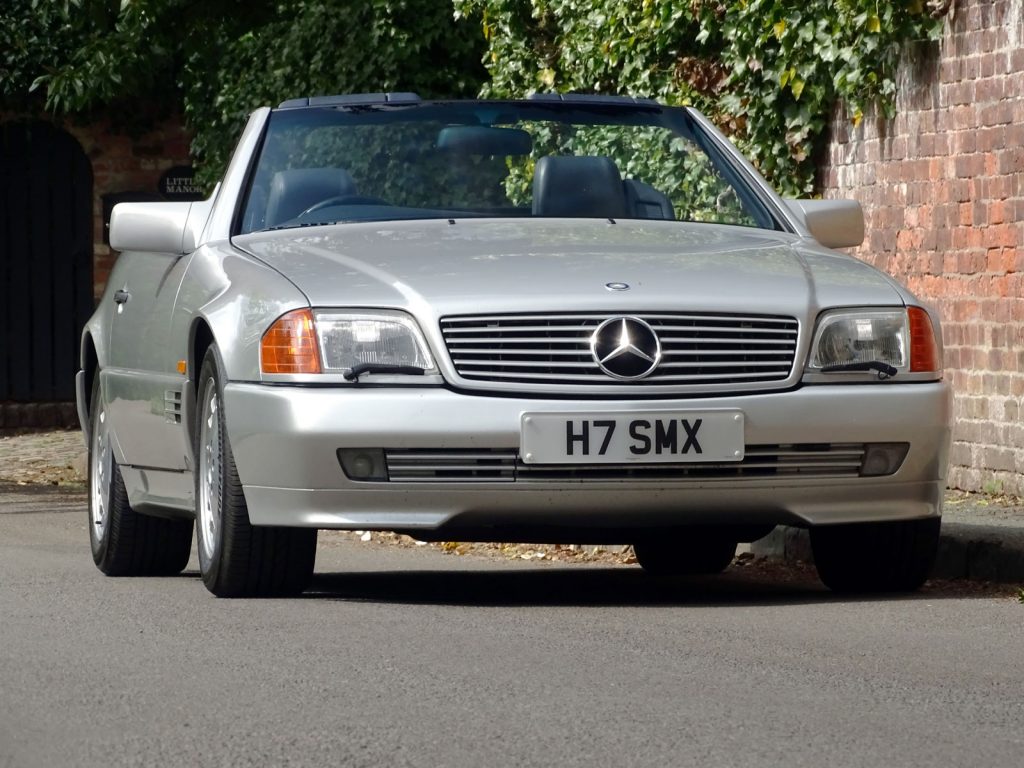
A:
159, 492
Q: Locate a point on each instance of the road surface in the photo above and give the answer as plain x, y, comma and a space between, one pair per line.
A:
410, 657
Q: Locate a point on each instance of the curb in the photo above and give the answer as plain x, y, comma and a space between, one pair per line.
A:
966, 551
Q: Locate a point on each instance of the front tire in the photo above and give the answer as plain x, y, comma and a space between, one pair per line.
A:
236, 558
123, 542
685, 557
876, 557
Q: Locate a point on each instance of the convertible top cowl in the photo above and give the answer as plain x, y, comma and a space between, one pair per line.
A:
352, 100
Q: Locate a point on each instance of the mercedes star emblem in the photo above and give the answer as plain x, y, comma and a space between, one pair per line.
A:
626, 348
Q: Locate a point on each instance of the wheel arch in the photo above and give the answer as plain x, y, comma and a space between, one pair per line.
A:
200, 339
90, 363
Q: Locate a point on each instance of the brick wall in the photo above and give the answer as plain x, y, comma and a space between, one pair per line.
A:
123, 163
942, 190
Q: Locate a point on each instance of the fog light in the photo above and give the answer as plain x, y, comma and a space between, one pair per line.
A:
363, 463
883, 458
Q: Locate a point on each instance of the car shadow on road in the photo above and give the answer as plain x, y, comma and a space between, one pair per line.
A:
595, 587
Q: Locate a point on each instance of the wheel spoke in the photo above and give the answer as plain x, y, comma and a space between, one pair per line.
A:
100, 473
210, 491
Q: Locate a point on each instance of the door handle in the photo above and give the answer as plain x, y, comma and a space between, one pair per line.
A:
121, 296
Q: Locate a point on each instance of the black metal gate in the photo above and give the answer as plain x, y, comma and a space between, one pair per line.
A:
46, 236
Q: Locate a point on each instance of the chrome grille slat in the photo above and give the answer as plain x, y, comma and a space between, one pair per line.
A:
525, 340
720, 329
529, 363
723, 352
717, 340
734, 364
526, 328
841, 460
554, 350
485, 351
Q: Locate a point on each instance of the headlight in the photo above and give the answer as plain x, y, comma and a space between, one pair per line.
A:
329, 341
861, 337
901, 338
381, 338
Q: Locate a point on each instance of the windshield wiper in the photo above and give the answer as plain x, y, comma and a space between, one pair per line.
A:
885, 371
353, 373
300, 225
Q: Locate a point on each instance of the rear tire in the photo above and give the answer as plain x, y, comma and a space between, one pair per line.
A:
123, 542
236, 558
685, 557
876, 557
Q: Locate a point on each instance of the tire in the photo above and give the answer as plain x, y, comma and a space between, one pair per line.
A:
236, 558
685, 557
876, 557
123, 542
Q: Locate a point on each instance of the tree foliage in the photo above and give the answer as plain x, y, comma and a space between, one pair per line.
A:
83, 55
770, 71
317, 47
217, 60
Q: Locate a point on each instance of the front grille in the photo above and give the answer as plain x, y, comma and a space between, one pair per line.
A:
760, 461
697, 349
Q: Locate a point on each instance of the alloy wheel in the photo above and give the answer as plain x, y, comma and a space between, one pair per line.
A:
210, 471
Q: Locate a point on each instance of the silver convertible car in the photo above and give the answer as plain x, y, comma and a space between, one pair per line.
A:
561, 319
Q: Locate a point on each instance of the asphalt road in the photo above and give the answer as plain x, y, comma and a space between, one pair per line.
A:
407, 657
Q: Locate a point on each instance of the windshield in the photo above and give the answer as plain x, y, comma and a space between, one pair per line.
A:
493, 159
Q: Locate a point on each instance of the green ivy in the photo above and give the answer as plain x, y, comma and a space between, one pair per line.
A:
770, 72
320, 47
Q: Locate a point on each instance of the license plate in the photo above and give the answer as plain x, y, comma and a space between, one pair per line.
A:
632, 438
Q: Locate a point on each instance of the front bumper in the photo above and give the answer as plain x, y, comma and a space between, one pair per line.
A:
285, 441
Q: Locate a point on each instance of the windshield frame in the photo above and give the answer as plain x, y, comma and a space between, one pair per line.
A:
751, 189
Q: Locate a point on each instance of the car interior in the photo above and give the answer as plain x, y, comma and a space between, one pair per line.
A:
564, 186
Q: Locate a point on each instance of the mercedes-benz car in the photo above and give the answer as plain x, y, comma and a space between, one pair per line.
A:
565, 319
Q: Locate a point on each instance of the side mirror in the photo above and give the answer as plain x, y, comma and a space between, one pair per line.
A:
833, 223
172, 228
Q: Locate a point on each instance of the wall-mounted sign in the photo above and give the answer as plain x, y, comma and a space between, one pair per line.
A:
179, 183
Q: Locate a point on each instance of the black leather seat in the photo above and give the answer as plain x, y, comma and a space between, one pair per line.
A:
645, 202
292, 192
574, 187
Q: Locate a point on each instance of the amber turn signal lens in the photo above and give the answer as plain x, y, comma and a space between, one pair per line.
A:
289, 345
924, 349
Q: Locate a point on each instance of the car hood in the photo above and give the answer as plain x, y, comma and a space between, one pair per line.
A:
437, 268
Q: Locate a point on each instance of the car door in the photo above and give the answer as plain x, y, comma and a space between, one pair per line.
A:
142, 384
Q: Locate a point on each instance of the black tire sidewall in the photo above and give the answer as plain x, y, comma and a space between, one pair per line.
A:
209, 376
685, 558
